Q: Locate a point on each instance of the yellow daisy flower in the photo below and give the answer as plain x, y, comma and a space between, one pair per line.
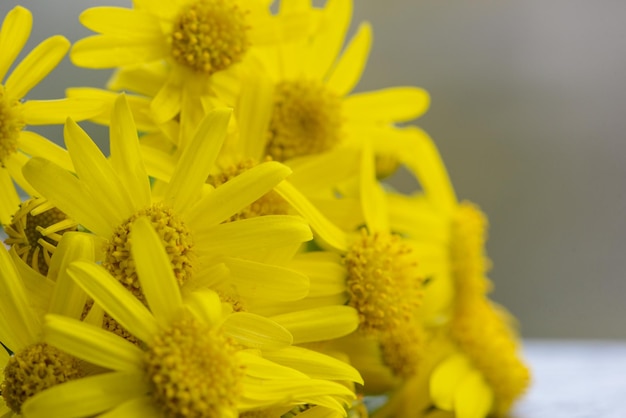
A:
380, 279
197, 39
16, 115
191, 360
25, 296
311, 81
451, 236
106, 196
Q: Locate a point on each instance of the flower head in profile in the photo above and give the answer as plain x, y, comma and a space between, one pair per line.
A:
25, 297
484, 372
191, 359
196, 38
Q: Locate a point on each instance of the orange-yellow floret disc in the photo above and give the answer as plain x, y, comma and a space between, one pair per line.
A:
11, 124
467, 252
383, 282
194, 371
402, 348
35, 369
209, 35
270, 203
481, 329
173, 233
35, 232
306, 119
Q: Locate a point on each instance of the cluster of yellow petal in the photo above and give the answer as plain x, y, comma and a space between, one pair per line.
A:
236, 254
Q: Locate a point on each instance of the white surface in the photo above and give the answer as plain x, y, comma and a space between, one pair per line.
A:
575, 379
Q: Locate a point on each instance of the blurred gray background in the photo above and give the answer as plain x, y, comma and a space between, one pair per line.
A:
528, 110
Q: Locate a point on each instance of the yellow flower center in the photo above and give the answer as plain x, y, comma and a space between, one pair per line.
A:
35, 232
481, 329
35, 369
270, 203
173, 233
209, 35
383, 282
11, 124
402, 348
195, 371
306, 120
467, 251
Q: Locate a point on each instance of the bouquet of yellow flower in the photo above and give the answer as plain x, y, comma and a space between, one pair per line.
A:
238, 253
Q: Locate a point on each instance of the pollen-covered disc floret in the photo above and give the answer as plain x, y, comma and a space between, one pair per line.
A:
35, 231
174, 235
402, 348
306, 119
383, 281
270, 203
11, 124
35, 369
467, 251
194, 371
210, 35
480, 328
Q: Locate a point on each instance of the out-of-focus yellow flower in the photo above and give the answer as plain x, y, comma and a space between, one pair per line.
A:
485, 373
196, 38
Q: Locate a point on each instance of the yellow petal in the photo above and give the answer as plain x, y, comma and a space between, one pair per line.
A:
36, 65
325, 229
237, 193
144, 79
68, 299
314, 364
13, 35
473, 398
256, 331
167, 102
126, 154
252, 236
350, 67
373, 199
119, 21
61, 188
253, 113
205, 304
96, 172
445, 380
155, 273
319, 324
48, 112
88, 396
197, 161
37, 146
138, 407
18, 323
102, 51
255, 280
93, 344
329, 38
398, 104
10, 200
429, 169
117, 301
